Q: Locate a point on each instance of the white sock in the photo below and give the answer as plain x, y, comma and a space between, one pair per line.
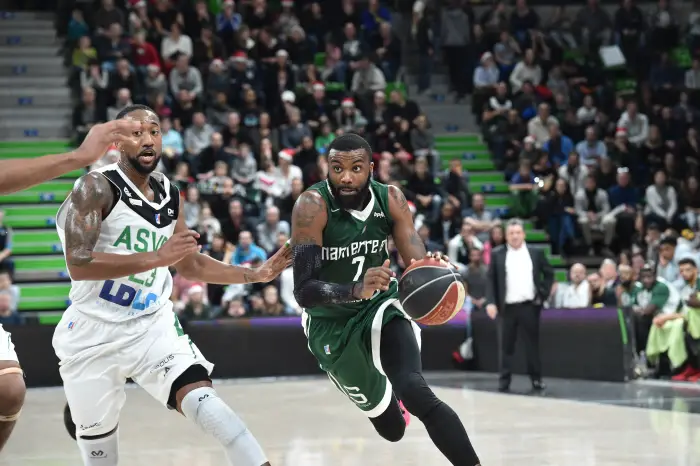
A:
100, 452
204, 407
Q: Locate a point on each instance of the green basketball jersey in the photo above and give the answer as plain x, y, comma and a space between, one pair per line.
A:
629, 297
354, 241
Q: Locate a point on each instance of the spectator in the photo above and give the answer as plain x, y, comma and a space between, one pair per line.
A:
592, 208
247, 251
196, 307
112, 46
7, 315
455, 31
77, 27
538, 127
523, 190
523, 20
124, 78
375, 16
692, 76
624, 199
145, 54
198, 136
83, 53
591, 149
594, 25
367, 78
460, 246
560, 216
634, 123
184, 77
85, 114
6, 287
601, 296
269, 230
106, 16
123, 101
661, 202
388, 49
526, 70
292, 133
164, 16
506, 53
667, 267
578, 293
207, 48
475, 279
690, 199
558, 146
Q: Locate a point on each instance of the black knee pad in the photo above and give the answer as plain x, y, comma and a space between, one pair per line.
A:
68, 422
416, 395
390, 424
193, 374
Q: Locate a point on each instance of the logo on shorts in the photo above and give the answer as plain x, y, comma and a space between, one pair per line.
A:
91, 426
162, 363
98, 454
327, 349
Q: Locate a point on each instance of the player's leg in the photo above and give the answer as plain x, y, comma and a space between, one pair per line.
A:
391, 424
174, 372
12, 391
94, 386
401, 361
12, 388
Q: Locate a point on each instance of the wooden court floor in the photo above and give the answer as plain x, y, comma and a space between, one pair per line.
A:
307, 422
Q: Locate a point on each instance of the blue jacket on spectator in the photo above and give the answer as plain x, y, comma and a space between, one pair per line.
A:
172, 139
559, 155
13, 319
77, 29
242, 257
370, 21
618, 195
223, 23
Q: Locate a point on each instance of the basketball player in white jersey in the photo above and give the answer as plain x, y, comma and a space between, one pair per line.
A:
121, 229
19, 174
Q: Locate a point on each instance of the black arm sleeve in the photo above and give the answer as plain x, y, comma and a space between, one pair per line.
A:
308, 290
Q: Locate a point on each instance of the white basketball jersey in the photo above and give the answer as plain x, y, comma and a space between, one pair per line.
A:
134, 225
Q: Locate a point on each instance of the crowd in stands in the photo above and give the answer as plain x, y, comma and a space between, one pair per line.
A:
605, 158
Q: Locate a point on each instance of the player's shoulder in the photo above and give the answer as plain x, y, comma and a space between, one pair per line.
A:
310, 198
91, 183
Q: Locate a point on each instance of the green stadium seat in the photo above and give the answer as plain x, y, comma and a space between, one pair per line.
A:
396, 86
26, 242
44, 296
320, 60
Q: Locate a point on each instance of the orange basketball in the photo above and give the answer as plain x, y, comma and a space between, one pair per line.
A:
431, 292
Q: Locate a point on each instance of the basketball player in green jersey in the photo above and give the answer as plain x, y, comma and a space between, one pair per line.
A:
354, 323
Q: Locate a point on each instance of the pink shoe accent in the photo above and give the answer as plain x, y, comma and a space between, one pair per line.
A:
406, 414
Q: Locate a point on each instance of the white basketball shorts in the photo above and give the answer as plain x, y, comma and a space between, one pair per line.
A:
97, 357
7, 348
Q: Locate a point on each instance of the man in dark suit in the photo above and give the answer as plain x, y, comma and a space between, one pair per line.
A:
520, 279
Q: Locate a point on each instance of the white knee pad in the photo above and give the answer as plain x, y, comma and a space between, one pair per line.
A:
204, 407
100, 452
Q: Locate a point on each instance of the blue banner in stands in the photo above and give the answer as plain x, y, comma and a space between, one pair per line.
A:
13, 40
19, 69
25, 101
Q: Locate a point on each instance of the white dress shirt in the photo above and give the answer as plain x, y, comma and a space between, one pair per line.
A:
520, 285
576, 297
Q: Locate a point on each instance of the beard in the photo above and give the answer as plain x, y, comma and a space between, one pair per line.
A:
144, 168
350, 201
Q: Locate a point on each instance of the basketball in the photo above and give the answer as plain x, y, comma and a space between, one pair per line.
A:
431, 292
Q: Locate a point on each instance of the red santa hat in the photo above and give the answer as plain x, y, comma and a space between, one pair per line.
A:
286, 154
239, 56
621, 132
348, 102
318, 86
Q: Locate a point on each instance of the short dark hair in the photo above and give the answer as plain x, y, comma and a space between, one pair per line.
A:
687, 261
350, 142
668, 239
132, 108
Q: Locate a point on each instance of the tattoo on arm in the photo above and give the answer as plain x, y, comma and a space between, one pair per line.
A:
84, 217
409, 244
308, 219
400, 199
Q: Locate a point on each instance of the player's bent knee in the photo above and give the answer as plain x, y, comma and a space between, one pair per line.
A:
12, 393
194, 377
415, 394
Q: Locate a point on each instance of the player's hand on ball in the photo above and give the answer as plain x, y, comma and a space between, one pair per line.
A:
274, 265
376, 278
492, 311
102, 136
438, 256
179, 246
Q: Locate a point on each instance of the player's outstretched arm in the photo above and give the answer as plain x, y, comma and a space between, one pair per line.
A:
200, 267
309, 218
87, 205
19, 174
406, 238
